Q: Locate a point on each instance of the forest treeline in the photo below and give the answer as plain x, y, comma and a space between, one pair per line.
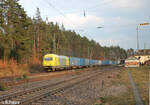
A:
23, 37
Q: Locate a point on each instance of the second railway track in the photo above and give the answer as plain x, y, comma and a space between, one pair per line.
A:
58, 89
29, 96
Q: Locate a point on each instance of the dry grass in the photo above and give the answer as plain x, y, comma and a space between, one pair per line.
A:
117, 90
2, 86
141, 79
35, 65
11, 68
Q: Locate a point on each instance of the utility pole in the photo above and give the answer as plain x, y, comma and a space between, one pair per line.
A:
88, 52
91, 53
54, 43
104, 56
137, 39
144, 48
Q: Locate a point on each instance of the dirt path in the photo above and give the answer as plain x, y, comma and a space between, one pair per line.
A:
137, 96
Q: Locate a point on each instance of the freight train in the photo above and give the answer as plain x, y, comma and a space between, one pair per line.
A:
52, 62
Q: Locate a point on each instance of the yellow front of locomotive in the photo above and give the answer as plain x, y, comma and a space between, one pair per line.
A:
50, 61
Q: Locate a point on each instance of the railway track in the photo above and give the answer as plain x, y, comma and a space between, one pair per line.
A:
52, 92
29, 96
11, 81
54, 96
40, 83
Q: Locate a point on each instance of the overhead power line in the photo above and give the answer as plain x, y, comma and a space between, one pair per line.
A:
51, 5
61, 13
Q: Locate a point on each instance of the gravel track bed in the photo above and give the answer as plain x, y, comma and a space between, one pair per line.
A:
30, 85
45, 90
60, 87
87, 93
83, 93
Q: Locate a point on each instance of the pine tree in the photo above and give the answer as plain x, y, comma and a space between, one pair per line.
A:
16, 26
38, 22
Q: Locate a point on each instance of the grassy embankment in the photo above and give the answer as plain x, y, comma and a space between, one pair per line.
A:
118, 90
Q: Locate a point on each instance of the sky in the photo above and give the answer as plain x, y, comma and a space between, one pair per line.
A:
119, 19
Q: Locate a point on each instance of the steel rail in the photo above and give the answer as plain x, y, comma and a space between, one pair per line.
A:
59, 89
34, 89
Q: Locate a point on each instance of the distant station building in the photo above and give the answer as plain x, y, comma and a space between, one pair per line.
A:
132, 62
143, 55
143, 51
143, 58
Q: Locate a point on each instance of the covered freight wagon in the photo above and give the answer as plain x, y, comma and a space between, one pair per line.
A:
114, 62
99, 62
73, 61
105, 62
87, 62
82, 62
91, 62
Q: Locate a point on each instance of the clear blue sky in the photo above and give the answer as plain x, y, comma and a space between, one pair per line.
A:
118, 17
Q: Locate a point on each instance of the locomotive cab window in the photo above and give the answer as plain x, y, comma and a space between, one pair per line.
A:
48, 59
